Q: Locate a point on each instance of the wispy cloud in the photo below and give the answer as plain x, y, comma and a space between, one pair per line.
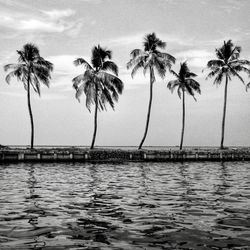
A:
64, 71
195, 58
232, 5
64, 64
58, 14
53, 21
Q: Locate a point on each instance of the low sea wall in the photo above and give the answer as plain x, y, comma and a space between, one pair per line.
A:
109, 155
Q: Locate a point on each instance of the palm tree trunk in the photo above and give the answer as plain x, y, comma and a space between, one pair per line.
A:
183, 118
149, 108
224, 115
30, 112
95, 119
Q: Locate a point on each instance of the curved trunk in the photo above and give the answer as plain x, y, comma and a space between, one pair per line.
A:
95, 118
149, 108
224, 115
30, 112
183, 118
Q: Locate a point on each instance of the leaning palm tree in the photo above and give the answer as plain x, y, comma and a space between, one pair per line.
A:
150, 59
99, 86
31, 70
184, 83
226, 66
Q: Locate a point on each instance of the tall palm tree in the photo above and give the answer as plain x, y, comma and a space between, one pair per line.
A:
150, 59
226, 65
184, 83
31, 69
99, 86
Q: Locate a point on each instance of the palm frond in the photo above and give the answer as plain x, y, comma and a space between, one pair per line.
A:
235, 54
77, 80
213, 73
179, 91
218, 79
136, 68
137, 60
111, 66
160, 67
106, 98
136, 52
240, 68
239, 62
44, 63
174, 73
87, 76
21, 58
166, 56
79, 91
15, 73
42, 73
247, 86
13, 66
190, 74
81, 61
189, 90
194, 85
173, 84
35, 84
110, 80
234, 73
90, 93
215, 63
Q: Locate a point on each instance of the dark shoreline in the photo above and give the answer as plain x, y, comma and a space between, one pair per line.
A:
79, 154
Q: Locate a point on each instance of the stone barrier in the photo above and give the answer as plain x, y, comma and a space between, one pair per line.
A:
97, 155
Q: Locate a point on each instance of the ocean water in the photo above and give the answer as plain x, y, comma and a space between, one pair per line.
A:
194, 205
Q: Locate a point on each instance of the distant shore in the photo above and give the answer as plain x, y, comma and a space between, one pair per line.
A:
120, 154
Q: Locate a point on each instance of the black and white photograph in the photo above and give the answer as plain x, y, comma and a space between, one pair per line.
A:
124, 124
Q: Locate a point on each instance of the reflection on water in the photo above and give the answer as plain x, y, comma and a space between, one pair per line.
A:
126, 206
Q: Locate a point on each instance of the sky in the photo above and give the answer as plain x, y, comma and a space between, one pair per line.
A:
66, 29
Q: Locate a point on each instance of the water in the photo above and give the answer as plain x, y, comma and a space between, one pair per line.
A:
125, 206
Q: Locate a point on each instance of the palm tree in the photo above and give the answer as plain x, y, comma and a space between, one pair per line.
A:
99, 86
152, 59
226, 66
31, 69
184, 83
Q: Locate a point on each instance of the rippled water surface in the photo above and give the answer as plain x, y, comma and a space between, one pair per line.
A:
125, 206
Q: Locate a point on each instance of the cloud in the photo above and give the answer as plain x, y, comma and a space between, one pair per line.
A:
230, 6
43, 21
21, 23
75, 29
64, 71
63, 64
58, 14
195, 58
127, 40
38, 25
